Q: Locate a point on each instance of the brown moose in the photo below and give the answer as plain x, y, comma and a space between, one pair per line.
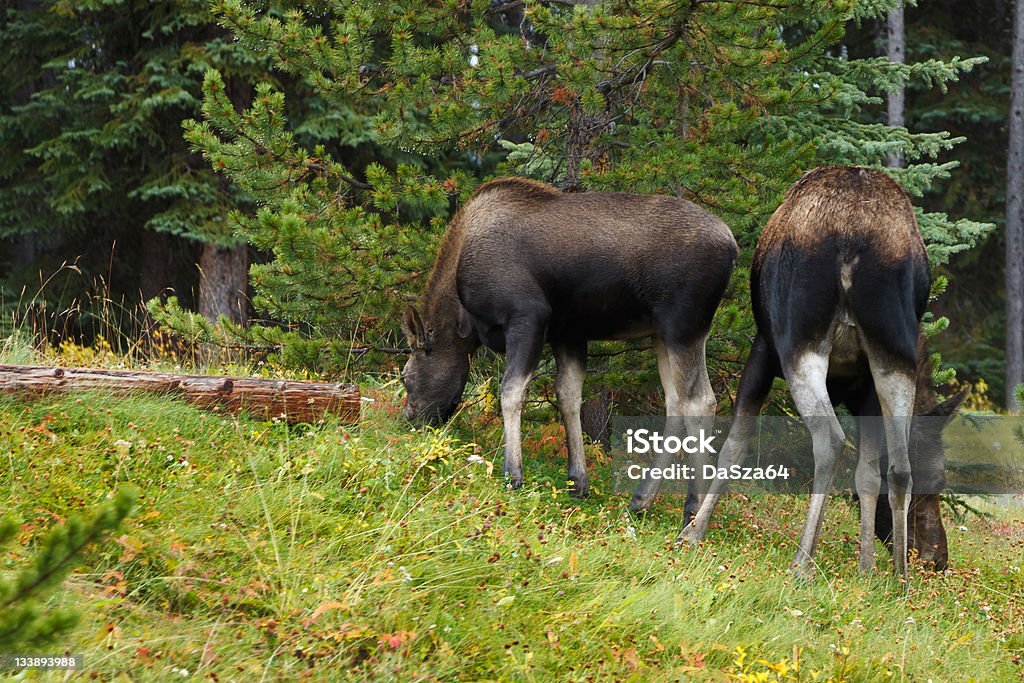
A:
523, 264
839, 283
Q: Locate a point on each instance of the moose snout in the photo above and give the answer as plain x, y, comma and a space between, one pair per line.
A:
427, 415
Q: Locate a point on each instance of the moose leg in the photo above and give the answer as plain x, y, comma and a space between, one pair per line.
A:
806, 377
523, 343
571, 360
869, 483
689, 401
647, 489
690, 373
896, 389
761, 368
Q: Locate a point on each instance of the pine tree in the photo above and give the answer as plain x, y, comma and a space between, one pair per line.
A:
975, 107
722, 102
24, 622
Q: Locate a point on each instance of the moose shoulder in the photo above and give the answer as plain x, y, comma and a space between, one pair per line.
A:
523, 264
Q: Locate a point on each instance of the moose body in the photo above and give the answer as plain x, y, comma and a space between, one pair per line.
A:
523, 264
839, 283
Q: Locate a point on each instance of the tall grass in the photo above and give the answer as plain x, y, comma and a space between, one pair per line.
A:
372, 552
71, 318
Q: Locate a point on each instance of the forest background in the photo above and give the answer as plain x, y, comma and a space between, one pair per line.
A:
287, 168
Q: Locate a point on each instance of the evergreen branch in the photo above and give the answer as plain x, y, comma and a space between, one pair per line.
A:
64, 543
631, 74
540, 71
312, 165
748, 3
516, 4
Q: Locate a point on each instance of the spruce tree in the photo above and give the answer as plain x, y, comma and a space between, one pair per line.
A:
722, 102
976, 107
92, 162
25, 623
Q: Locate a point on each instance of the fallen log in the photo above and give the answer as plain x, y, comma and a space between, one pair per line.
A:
291, 401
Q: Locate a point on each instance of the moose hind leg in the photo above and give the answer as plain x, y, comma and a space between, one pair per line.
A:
896, 389
571, 360
869, 484
806, 376
760, 369
523, 343
690, 373
689, 399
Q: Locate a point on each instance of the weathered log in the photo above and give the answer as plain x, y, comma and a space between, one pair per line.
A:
290, 401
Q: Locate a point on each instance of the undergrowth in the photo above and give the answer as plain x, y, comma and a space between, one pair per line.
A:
260, 551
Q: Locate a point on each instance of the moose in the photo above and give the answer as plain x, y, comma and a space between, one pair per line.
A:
523, 263
839, 283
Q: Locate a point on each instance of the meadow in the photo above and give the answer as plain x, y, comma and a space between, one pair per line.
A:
264, 552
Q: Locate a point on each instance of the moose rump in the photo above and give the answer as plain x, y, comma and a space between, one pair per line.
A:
524, 265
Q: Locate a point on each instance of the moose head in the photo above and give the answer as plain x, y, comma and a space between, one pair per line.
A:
438, 366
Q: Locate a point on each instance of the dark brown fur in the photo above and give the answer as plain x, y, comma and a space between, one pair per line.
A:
524, 264
817, 211
839, 283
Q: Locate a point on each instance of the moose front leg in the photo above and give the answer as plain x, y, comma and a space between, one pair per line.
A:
523, 342
896, 394
869, 483
571, 360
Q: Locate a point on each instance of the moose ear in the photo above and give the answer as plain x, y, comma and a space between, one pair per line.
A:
412, 326
950, 405
465, 323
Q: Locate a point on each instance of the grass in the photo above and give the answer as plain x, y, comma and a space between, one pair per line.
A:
266, 552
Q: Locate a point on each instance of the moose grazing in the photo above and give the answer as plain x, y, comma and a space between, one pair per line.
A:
839, 283
523, 264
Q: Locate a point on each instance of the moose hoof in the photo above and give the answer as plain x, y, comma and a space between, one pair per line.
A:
640, 506
513, 478
803, 570
580, 488
689, 536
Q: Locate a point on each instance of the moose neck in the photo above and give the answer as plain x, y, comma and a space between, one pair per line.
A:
440, 304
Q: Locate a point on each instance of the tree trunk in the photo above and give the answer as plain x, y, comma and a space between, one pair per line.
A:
1015, 220
896, 97
223, 281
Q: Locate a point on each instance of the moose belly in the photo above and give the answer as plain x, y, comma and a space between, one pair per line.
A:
608, 313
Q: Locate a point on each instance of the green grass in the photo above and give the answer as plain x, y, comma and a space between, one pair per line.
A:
264, 552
